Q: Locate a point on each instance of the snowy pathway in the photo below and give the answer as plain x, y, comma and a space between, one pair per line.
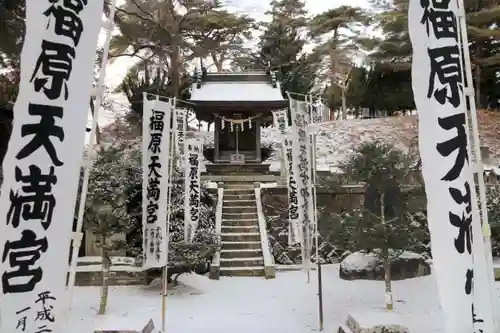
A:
250, 305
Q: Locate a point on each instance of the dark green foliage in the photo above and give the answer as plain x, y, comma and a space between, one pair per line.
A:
281, 46
392, 219
149, 80
394, 48
114, 206
378, 87
12, 13
493, 204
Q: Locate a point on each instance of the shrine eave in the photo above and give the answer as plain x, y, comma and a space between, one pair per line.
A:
237, 106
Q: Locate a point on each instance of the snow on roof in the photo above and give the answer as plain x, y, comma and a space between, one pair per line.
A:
236, 91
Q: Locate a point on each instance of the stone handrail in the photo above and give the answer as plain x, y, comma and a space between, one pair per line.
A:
269, 267
215, 266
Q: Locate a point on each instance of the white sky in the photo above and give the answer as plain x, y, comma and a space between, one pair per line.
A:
255, 8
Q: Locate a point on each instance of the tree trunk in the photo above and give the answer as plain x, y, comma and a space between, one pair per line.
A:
388, 286
106, 264
386, 259
98, 131
344, 105
217, 63
176, 67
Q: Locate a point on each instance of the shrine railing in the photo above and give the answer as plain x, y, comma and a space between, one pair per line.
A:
218, 222
269, 267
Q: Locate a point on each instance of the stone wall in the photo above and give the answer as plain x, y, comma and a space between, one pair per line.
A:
332, 200
116, 278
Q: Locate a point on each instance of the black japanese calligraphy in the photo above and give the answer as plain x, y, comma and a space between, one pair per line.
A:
154, 167
67, 23
458, 143
153, 189
42, 132
460, 198
156, 121
155, 143
43, 329
158, 242
21, 322
75, 5
36, 201
193, 160
152, 210
23, 254
152, 244
469, 277
45, 314
464, 238
476, 320
463, 222
193, 185
56, 64
443, 21
446, 68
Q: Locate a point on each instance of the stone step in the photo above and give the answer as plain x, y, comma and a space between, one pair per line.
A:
244, 222
232, 197
242, 271
237, 169
238, 191
241, 245
239, 216
238, 228
239, 185
242, 262
239, 254
239, 210
240, 237
239, 203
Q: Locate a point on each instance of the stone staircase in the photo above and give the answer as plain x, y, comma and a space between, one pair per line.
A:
241, 251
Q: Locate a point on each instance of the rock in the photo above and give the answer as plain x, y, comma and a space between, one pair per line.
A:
375, 322
367, 266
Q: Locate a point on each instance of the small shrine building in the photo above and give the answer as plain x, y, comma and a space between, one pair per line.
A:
238, 104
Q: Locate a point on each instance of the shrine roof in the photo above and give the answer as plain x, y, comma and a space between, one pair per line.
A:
237, 91
237, 87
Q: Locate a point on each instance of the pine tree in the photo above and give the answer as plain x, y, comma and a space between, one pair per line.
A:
391, 220
281, 47
106, 212
482, 17
114, 206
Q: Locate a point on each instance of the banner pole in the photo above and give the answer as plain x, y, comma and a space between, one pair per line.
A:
77, 235
316, 231
169, 201
164, 281
479, 169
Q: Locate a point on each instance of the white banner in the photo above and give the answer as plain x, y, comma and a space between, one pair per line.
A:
437, 79
155, 180
192, 187
301, 146
294, 218
43, 162
180, 135
280, 120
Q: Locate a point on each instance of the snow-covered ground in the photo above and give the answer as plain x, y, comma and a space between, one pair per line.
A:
286, 304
